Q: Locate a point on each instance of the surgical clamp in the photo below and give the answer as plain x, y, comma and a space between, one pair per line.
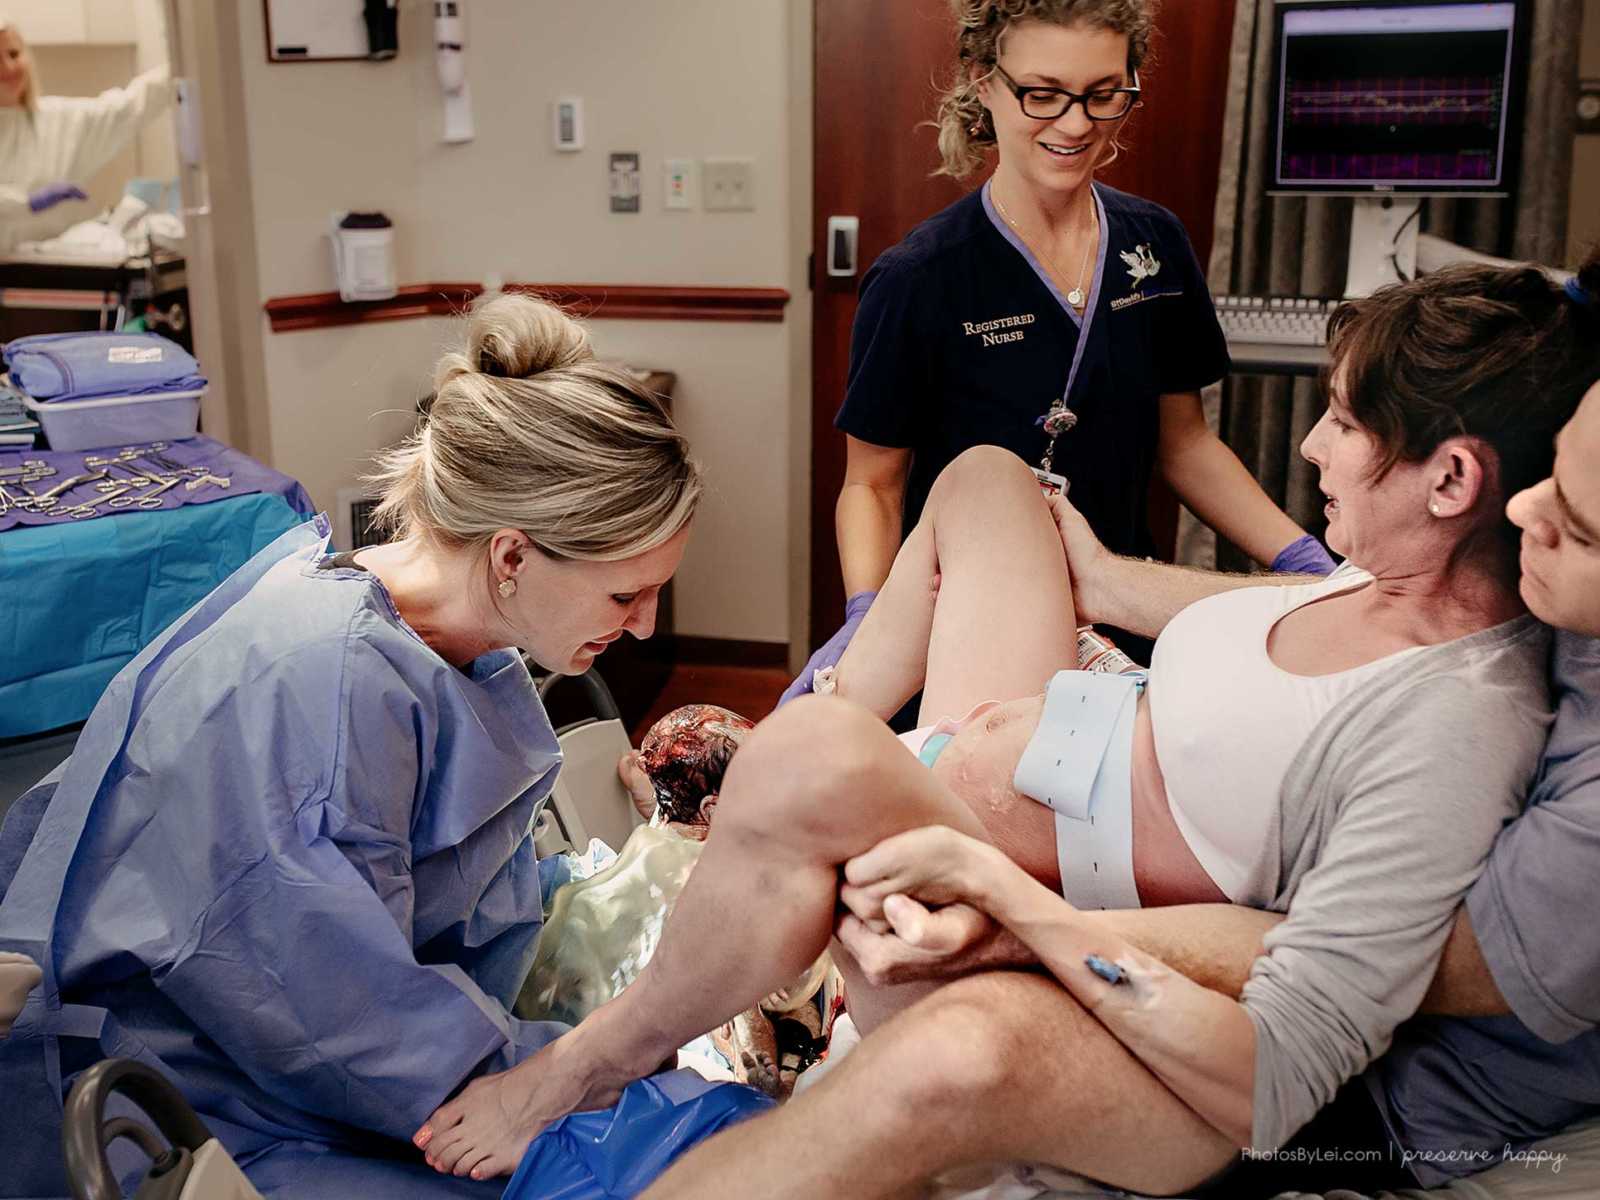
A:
148, 500
123, 455
68, 485
35, 467
163, 463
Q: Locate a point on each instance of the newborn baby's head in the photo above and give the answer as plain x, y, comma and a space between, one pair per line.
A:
685, 755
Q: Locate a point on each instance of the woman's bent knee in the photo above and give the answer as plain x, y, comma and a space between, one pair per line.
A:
982, 469
806, 767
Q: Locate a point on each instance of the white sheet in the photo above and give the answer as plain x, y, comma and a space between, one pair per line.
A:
109, 240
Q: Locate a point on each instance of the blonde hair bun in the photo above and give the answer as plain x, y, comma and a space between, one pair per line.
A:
527, 430
516, 337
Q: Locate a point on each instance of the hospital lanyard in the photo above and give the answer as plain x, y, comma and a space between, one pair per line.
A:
1060, 418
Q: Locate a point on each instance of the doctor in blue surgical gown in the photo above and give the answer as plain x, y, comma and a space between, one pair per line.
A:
290, 863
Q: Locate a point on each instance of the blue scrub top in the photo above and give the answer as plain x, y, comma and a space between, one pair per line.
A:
962, 340
290, 864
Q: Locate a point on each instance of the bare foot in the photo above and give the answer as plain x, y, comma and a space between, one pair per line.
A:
750, 1043
486, 1129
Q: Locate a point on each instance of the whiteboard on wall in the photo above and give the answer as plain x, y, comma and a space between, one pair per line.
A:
315, 30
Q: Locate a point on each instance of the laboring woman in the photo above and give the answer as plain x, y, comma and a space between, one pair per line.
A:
290, 860
1284, 753
52, 146
1043, 305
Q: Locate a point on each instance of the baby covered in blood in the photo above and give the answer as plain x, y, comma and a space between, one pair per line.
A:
600, 931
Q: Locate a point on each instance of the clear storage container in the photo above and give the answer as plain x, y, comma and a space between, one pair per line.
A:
118, 420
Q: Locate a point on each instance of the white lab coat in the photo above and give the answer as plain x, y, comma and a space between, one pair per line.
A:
67, 140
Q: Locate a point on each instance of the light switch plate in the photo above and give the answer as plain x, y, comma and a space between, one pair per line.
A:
677, 183
729, 184
625, 183
566, 123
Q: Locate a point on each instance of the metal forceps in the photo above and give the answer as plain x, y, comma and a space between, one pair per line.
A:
148, 500
67, 485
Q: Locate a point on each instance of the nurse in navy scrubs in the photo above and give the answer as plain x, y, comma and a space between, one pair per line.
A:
1043, 292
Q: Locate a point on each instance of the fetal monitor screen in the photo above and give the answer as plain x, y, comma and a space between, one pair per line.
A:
1396, 97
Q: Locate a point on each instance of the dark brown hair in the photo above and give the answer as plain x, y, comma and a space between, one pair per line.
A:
1501, 355
685, 755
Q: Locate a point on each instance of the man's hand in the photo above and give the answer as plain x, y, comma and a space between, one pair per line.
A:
1087, 560
919, 945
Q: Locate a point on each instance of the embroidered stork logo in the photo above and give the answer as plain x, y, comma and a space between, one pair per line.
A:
1142, 264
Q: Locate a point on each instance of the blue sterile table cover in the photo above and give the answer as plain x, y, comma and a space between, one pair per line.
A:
615, 1153
80, 599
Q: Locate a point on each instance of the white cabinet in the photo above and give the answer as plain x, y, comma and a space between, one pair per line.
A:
74, 22
111, 21
51, 22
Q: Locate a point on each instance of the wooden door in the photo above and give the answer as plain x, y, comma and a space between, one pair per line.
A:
876, 66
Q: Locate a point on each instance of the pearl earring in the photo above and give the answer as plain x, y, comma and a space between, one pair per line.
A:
507, 588
1434, 509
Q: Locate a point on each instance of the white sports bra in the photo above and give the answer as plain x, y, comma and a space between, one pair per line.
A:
1229, 722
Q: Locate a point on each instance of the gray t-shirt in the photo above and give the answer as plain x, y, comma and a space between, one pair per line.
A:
1458, 1092
1387, 820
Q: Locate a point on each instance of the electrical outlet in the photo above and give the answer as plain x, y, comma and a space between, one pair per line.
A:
678, 183
729, 184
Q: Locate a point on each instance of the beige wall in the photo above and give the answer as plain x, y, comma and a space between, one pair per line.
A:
690, 78
158, 149
1585, 223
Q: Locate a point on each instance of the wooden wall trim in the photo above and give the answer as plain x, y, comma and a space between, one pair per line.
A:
726, 652
595, 301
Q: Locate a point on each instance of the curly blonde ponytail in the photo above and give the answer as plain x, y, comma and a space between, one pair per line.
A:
965, 129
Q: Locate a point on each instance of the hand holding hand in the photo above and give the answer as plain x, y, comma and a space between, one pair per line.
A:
833, 649
52, 194
917, 945
934, 865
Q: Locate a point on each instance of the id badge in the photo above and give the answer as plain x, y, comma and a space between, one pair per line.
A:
1051, 484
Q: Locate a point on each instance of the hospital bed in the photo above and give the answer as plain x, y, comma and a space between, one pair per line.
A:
589, 801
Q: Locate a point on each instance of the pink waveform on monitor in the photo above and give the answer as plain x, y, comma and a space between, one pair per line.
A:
1436, 100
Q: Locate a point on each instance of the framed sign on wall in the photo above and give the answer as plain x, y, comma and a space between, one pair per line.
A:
324, 30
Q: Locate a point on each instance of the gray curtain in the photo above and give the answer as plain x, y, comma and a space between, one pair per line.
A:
1298, 245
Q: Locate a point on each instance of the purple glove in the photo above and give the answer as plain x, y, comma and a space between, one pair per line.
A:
53, 194
833, 649
1305, 556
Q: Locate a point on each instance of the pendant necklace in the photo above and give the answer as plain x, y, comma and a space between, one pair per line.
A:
1060, 419
1076, 297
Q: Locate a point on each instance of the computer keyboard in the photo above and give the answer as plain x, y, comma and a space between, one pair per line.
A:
1276, 320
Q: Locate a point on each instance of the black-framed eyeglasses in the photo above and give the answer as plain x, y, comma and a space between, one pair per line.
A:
1051, 104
